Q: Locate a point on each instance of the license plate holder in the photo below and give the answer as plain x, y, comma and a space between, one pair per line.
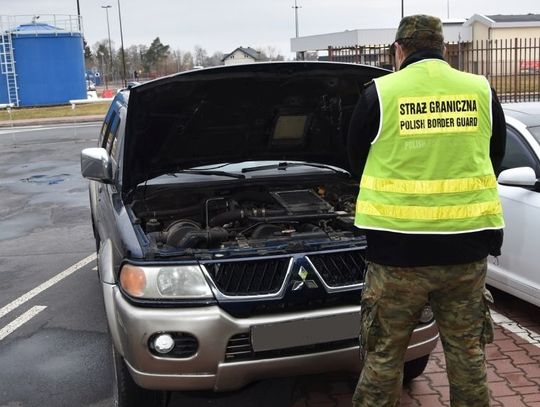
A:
304, 332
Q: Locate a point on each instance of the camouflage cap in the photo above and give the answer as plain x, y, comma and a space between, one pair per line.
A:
420, 26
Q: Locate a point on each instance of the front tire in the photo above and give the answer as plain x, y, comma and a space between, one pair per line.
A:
126, 393
414, 368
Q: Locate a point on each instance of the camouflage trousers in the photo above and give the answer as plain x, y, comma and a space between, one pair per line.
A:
392, 301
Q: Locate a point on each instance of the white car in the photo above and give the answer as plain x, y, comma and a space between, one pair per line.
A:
517, 270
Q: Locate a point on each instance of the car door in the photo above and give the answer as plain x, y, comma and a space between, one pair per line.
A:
516, 270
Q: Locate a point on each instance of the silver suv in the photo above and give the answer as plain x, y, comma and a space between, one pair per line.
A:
223, 209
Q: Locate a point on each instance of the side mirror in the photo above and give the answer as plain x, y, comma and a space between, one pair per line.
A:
96, 165
518, 177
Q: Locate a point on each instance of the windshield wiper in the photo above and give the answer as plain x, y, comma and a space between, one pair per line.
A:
212, 172
284, 165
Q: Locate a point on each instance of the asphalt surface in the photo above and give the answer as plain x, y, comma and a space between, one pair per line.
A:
73, 120
54, 345
61, 356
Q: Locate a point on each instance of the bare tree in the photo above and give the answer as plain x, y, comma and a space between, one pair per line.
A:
134, 60
187, 61
215, 59
175, 60
144, 61
104, 60
270, 53
311, 56
200, 55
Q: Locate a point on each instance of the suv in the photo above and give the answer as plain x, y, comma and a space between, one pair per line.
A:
223, 213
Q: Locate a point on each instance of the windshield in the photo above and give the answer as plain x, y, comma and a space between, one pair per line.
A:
284, 165
246, 169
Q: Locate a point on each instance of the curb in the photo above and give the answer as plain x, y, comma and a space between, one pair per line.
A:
50, 120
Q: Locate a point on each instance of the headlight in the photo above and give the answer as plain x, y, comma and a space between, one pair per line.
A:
185, 281
181, 282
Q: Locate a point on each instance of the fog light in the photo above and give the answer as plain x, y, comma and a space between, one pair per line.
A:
163, 343
426, 315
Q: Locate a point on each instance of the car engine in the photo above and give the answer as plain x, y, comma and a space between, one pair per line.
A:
248, 218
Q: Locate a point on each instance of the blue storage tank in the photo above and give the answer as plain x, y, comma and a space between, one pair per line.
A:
49, 63
3, 89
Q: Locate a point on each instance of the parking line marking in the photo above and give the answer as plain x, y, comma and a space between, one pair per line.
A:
47, 284
512, 326
19, 321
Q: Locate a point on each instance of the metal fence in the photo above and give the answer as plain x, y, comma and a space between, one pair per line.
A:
69, 23
512, 66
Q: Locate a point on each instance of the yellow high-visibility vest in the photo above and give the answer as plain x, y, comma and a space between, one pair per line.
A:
428, 169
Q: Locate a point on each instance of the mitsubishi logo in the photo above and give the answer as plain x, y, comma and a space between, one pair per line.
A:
303, 273
298, 285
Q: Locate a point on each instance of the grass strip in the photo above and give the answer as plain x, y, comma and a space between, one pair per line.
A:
90, 109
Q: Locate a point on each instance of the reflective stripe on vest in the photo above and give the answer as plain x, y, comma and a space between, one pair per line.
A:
430, 213
429, 186
428, 170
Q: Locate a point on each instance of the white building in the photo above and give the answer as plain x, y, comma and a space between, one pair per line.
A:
454, 31
242, 55
502, 27
478, 27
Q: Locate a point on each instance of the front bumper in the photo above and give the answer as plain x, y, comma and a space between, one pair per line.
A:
131, 327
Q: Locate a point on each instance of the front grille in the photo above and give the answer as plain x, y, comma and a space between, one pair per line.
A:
252, 277
341, 268
239, 349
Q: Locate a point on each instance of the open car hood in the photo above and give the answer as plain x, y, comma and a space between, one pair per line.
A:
265, 111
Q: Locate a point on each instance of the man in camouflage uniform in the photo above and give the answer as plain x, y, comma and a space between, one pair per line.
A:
427, 140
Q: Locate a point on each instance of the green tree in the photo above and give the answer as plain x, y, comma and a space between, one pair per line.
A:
155, 54
88, 56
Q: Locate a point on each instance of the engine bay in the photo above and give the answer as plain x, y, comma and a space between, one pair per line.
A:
288, 217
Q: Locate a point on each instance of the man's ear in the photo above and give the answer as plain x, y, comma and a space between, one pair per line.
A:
399, 55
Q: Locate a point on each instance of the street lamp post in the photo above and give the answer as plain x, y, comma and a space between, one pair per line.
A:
79, 16
122, 45
402, 9
100, 55
107, 7
299, 55
296, 7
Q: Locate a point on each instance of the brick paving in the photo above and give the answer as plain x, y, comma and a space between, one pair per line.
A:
513, 374
513, 364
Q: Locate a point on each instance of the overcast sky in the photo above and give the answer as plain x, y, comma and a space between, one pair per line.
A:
223, 25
